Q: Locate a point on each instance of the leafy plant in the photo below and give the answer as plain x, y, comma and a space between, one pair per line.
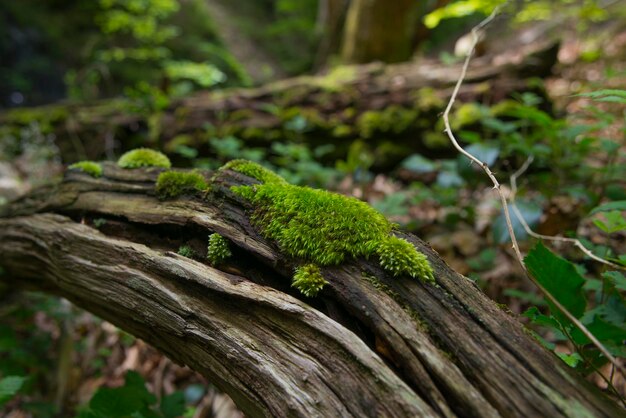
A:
604, 316
9, 387
132, 399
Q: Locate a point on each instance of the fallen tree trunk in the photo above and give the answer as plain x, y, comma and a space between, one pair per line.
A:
368, 345
390, 106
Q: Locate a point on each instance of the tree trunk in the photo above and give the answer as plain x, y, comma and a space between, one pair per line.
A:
392, 107
369, 345
379, 30
330, 20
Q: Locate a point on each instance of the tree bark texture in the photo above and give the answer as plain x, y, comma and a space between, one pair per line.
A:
379, 30
382, 104
369, 345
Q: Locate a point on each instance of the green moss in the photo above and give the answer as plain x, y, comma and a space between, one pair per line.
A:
427, 98
186, 251
342, 130
174, 183
92, 168
143, 157
394, 119
217, 250
337, 79
326, 228
254, 170
399, 257
308, 280
466, 114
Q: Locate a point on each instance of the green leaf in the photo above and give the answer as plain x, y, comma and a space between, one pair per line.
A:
9, 386
614, 222
601, 329
394, 204
529, 211
538, 318
173, 405
129, 400
418, 164
607, 207
559, 277
607, 95
616, 278
571, 360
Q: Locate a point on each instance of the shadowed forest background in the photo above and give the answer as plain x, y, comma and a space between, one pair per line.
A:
343, 95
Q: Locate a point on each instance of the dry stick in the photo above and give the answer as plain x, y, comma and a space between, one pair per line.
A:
507, 216
533, 234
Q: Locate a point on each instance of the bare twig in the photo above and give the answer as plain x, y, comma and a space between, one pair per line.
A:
533, 234
497, 187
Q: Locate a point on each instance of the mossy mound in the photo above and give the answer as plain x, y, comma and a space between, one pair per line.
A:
144, 157
308, 280
174, 183
326, 228
92, 168
254, 170
186, 251
217, 250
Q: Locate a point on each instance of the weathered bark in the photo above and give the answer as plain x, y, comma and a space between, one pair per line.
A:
369, 345
392, 104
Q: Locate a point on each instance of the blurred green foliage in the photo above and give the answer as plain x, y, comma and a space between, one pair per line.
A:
133, 399
99, 48
524, 11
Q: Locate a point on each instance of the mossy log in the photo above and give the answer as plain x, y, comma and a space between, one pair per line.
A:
394, 105
368, 345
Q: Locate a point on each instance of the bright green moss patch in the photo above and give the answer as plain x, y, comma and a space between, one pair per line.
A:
308, 280
323, 227
217, 250
254, 170
143, 157
174, 183
399, 257
327, 228
186, 251
92, 168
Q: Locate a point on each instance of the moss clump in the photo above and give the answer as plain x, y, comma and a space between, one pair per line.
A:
254, 170
327, 228
399, 257
308, 280
217, 250
143, 157
186, 251
393, 119
92, 168
174, 183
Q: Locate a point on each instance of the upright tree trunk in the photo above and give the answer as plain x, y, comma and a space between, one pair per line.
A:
379, 30
330, 20
369, 345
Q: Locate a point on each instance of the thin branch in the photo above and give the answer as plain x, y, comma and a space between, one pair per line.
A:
496, 186
533, 234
